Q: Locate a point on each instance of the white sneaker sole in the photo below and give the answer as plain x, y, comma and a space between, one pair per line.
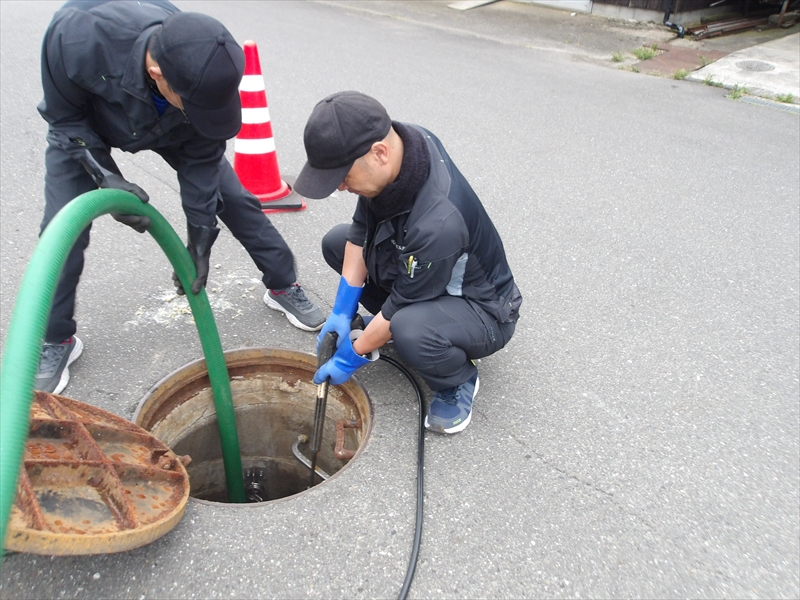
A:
461, 426
292, 319
77, 350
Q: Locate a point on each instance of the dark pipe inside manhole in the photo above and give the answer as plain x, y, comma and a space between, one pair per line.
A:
274, 401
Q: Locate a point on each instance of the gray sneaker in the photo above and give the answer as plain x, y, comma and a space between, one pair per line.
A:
300, 311
54, 362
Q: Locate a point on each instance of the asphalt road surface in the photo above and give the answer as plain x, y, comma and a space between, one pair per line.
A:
638, 437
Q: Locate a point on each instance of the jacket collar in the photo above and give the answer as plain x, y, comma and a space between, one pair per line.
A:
398, 197
438, 177
133, 80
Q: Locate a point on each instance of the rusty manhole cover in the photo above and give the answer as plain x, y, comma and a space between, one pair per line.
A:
755, 65
92, 483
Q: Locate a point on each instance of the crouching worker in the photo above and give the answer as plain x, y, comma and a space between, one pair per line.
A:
421, 254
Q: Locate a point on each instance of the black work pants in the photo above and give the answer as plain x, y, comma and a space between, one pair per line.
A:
438, 338
240, 210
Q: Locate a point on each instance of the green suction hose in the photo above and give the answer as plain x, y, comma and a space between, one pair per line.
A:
29, 321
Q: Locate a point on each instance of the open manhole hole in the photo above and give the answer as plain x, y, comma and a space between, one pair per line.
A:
755, 65
274, 400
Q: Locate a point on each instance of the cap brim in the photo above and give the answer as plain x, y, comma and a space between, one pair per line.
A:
320, 183
215, 123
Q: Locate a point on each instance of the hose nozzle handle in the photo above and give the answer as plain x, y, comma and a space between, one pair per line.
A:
327, 348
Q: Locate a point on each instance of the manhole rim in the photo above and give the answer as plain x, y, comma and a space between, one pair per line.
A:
240, 358
54, 544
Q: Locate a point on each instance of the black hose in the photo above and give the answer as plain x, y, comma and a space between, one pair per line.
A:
412, 564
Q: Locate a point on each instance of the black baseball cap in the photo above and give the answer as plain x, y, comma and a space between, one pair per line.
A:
204, 65
340, 130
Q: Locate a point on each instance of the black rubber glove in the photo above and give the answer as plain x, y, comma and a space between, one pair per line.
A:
118, 182
137, 222
201, 238
107, 179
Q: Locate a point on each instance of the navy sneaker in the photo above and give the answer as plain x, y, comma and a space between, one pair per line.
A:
54, 362
451, 409
300, 311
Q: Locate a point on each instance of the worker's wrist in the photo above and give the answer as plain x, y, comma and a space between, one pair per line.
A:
358, 351
358, 346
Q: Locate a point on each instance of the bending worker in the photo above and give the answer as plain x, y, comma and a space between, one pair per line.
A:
421, 254
145, 76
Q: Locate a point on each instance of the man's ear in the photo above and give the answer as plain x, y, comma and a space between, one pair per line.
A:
381, 151
155, 72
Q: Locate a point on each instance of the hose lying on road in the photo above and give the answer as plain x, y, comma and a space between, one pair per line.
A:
29, 320
412, 563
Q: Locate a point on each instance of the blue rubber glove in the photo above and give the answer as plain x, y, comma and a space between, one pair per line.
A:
344, 363
344, 309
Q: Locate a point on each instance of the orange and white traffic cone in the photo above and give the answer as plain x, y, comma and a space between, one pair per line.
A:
255, 159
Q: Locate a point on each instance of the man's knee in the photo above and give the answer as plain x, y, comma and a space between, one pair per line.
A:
409, 332
230, 186
333, 244
65, 179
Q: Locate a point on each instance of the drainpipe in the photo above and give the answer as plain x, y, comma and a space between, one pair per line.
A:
675, 26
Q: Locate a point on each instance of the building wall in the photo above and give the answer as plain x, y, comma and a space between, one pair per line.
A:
684, 12
584, 6
680, 6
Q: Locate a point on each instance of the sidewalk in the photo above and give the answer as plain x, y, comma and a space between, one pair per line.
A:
770, 70
763, 62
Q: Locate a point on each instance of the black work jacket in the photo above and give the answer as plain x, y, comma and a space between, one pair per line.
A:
445, 244
96, 96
